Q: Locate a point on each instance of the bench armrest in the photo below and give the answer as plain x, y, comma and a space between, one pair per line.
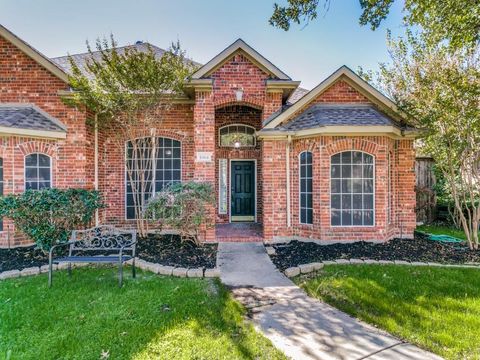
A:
61, 244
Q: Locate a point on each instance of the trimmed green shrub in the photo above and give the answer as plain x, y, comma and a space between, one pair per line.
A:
183, 207
48, 216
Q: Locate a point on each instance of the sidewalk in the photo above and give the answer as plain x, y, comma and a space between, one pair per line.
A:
300, 326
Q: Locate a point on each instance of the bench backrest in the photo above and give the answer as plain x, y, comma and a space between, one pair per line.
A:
105, 237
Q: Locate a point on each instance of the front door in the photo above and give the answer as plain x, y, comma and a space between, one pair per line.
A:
243, 191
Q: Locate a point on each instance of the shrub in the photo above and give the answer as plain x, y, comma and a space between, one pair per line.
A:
48, 216
183, 207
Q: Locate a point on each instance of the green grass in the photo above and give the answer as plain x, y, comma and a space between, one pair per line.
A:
436, 308
151, 317
442, 230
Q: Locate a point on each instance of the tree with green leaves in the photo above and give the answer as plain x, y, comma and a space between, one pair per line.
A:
456, 21
130, 91
438, 90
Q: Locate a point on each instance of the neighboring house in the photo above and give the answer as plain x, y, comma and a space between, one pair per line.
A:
334, 164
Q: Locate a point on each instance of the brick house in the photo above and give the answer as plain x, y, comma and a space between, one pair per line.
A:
333, 163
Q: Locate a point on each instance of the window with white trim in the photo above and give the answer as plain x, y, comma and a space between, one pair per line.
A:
237, 136
1, 189
151, 170
305, 187
38, 172
352, 189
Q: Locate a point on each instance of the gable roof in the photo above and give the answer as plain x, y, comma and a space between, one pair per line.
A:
320, 115
82, 58
30, 120
250, 52
344, 73
33, 53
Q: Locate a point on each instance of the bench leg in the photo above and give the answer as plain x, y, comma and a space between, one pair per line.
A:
133, 268
120, 274
50, 274
69, 269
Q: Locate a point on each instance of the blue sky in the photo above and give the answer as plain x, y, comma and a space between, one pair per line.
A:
204, 28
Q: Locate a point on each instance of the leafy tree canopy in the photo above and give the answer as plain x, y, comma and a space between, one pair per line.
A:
456, 21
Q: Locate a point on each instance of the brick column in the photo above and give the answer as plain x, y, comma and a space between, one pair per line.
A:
406, 189
204, 146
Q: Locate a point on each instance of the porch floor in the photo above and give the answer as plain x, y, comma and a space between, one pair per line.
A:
239, 232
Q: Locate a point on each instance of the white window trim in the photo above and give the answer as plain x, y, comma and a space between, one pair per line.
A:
25, 169
300, 189
154, 169
374, 190
231, 146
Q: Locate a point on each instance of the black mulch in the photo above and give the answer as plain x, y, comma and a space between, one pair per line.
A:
169, 250
21, 257
164, 250
418, 249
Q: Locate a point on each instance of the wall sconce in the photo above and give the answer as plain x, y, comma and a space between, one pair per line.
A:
236, 144
239, 94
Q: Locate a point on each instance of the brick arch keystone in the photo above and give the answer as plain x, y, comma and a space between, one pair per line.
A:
352, 144
230, 100
35, 146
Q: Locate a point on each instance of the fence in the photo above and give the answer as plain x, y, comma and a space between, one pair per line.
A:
424, 184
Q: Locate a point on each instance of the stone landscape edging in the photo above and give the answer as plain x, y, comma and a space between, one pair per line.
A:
314, 266
140, 263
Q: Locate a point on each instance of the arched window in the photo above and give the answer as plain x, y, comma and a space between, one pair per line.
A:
150, 170
306, 206
1, 189
237, 136
352, 189
38, 172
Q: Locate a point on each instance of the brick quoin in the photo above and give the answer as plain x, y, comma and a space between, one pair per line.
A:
196, 123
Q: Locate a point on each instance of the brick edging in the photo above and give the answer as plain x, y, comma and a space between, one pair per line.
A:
310, 267
141, 264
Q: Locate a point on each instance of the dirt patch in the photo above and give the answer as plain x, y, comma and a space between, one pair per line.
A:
417, 249
169, 250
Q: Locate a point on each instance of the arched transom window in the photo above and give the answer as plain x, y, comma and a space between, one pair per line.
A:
352, 189
150, 168
237, 136
38, 172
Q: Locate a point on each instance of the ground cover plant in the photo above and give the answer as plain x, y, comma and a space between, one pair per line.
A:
151, 317
435, 308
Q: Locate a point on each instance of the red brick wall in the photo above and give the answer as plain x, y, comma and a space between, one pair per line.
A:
176, 123
23, 80
400, 222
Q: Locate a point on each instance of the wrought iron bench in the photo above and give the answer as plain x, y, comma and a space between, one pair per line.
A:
103, 239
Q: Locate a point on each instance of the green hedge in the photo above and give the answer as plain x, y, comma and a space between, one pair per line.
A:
48, 216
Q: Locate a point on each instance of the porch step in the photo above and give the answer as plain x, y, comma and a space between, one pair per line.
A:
239, 232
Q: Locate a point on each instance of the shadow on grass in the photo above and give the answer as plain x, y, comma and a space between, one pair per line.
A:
151, 317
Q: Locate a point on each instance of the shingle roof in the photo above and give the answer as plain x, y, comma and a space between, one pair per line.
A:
337, 115
81, 59
297, 94
27, 116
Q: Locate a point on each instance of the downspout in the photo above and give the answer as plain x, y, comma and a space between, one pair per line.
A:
287, 154
96, 165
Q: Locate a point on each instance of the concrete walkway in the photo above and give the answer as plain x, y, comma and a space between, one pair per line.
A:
300, 326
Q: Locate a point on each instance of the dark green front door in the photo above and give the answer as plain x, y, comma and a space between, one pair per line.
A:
243, 191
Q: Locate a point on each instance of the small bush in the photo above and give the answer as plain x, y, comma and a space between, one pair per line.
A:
48, 216
183, 207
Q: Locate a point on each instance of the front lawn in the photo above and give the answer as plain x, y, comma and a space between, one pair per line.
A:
151, 317
435, 308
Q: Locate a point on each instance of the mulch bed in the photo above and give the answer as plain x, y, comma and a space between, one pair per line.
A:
21, 258
418, 249
164, 250
169, 250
